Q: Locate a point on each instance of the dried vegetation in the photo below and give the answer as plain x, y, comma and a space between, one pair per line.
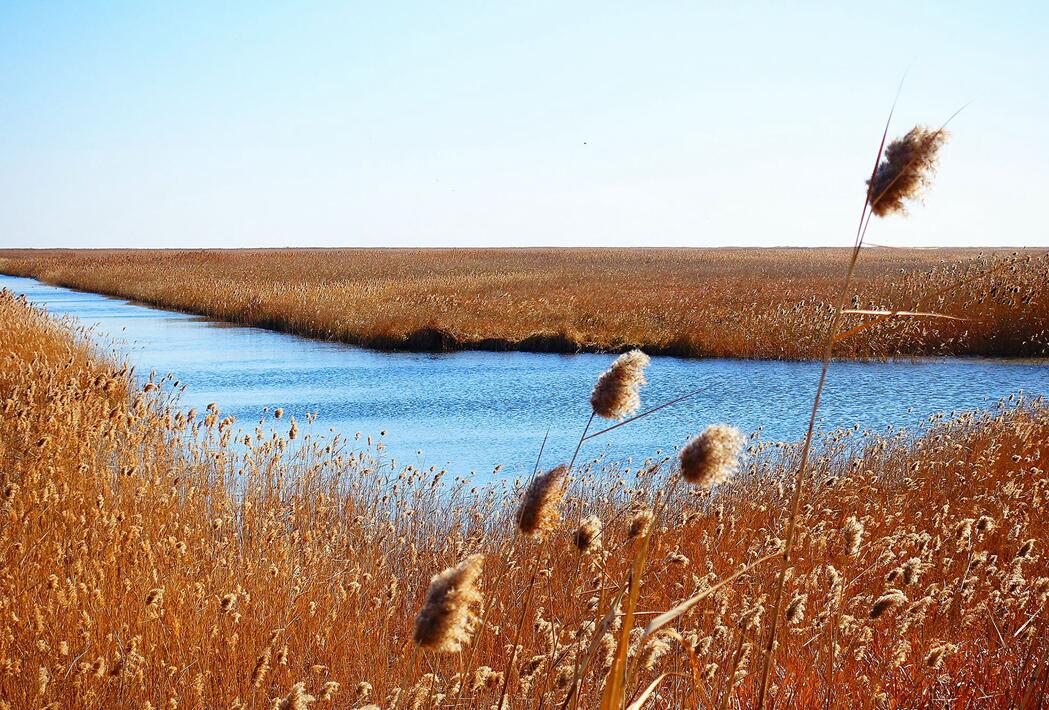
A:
753, 303
159, 558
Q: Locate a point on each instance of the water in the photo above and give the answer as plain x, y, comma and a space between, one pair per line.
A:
472, 411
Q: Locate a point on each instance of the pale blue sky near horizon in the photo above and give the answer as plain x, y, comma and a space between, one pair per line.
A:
241, 124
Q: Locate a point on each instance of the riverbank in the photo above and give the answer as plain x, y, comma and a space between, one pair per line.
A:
697, 303
162, 560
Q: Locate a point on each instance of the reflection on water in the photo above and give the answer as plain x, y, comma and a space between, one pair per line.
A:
474, 410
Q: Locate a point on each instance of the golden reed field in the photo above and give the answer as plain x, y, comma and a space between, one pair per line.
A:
159, 558
753, 303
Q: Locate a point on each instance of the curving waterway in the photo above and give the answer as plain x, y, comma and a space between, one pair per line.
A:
472, 411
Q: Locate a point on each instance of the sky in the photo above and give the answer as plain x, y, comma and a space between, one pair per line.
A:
226, 124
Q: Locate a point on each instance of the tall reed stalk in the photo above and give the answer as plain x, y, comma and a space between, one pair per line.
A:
900, 184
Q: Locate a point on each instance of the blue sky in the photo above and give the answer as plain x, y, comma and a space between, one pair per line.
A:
499, 124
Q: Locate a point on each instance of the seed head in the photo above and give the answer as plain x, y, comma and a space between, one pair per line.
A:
891, 598
538, 512
447, 620
935, 657
155, 596
262, 667
588, 537
640, 523
653, 651
853, 535
912, 570
712, 457
905, 171
328, 691
616, 394
297, 699
796, 608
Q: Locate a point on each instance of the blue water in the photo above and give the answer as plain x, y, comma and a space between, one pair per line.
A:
473, 411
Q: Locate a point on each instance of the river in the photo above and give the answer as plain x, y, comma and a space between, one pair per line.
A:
472, 411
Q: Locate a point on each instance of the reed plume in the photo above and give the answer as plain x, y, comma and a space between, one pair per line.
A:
890, 599
539, 509
905, 171
912, 570
297, 699
853, 533
712, 457
934, 659
617, 392
447, 620
796, 608
262, 667
640, 522
587, 538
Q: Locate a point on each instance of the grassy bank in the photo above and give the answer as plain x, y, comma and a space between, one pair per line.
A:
155, 558
752, 303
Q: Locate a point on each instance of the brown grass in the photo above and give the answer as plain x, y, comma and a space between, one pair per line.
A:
156, 558
754, 303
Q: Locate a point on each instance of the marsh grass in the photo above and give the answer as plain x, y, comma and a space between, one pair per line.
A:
153, 558
752, 303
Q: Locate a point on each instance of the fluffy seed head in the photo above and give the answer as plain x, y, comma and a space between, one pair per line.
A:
891, 598
588, 537
155, 596
653, 651
538, 512
640, 523
262, 667
912, 570
616, 394
329, 690
796, 608
905, 171
712, 457
297, 699
935, 657
447, 619
853, 533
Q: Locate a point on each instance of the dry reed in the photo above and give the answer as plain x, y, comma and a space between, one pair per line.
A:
712, 457
447, 620
906, 170
752, 303
111, 493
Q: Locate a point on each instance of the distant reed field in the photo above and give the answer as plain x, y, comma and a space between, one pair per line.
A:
753, 303
157, 558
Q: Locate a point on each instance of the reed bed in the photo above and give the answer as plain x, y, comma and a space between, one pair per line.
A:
159, 558
751, 303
